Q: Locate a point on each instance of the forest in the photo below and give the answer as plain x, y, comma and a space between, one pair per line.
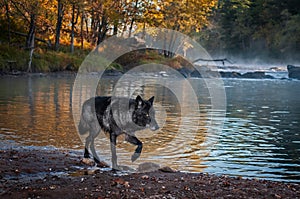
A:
59, 32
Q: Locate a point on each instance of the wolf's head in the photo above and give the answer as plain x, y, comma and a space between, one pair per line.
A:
144, 114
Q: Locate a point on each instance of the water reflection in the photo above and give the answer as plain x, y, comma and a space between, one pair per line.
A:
36, 111
261, 132
260, 137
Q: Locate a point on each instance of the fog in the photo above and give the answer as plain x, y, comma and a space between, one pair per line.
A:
256, 63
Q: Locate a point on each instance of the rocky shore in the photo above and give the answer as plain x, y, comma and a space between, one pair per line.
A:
58, 173
293, 72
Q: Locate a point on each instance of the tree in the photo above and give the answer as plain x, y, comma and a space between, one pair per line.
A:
73, 23
184, 16
60, 15
6, 3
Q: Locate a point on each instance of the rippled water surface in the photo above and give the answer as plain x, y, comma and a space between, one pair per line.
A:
260, 137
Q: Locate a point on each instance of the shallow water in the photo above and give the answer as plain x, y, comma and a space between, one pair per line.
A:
260, 136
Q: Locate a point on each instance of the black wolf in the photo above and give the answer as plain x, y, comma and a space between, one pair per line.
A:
116, 115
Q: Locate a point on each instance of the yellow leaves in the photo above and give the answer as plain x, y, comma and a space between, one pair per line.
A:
183, 15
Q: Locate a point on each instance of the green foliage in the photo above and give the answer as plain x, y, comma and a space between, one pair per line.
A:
12, 58
139, 57
150, 56
254, 28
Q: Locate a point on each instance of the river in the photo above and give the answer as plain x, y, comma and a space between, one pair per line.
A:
260, 137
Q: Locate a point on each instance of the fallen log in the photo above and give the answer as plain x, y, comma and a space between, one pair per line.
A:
214, 60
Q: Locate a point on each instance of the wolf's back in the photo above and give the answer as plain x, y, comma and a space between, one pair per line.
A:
90, 108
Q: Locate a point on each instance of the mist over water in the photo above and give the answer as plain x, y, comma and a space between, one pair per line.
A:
256, 63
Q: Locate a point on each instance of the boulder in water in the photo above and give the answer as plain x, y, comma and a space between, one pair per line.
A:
257, 75
294, 71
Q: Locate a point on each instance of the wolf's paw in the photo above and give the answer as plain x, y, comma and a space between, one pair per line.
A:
123, 168
135, 156
117, 168
86, 155
102, 164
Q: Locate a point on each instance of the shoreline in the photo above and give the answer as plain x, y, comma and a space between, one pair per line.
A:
47, 172
214, 74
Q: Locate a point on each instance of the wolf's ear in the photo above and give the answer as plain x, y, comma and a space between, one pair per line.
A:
151, 100
139, 101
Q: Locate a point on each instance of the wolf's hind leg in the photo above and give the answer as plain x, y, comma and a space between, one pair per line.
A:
92, 147
133, 140
87, 143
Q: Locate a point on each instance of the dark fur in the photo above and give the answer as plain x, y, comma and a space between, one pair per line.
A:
116, 116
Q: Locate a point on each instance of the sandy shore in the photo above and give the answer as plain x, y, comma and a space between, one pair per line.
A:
56, 173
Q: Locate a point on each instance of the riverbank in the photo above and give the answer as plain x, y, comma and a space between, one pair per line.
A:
15, 60
59, 173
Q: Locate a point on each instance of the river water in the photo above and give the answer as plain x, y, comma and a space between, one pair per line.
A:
260, 137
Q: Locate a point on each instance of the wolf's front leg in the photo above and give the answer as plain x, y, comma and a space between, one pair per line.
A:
133, 140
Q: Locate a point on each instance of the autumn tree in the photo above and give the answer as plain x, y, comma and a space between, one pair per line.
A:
76, 9
256, 28
184, 16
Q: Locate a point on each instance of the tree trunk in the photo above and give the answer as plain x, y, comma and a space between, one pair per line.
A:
115, 27
81, 29
30, 35
60, 13
133, 18
130, 27
102, 30
8, 21
72, 28
94, 21
29, 69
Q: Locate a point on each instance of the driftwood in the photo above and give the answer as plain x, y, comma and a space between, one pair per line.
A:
36, 38
214, 60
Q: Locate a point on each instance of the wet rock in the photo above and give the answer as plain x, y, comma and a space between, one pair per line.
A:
294, 71
70, 67
195, 73
148, 167
205, 73
112, 72
277, 69
167, 170
125, 168
257, 75
230, 74
184, 71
